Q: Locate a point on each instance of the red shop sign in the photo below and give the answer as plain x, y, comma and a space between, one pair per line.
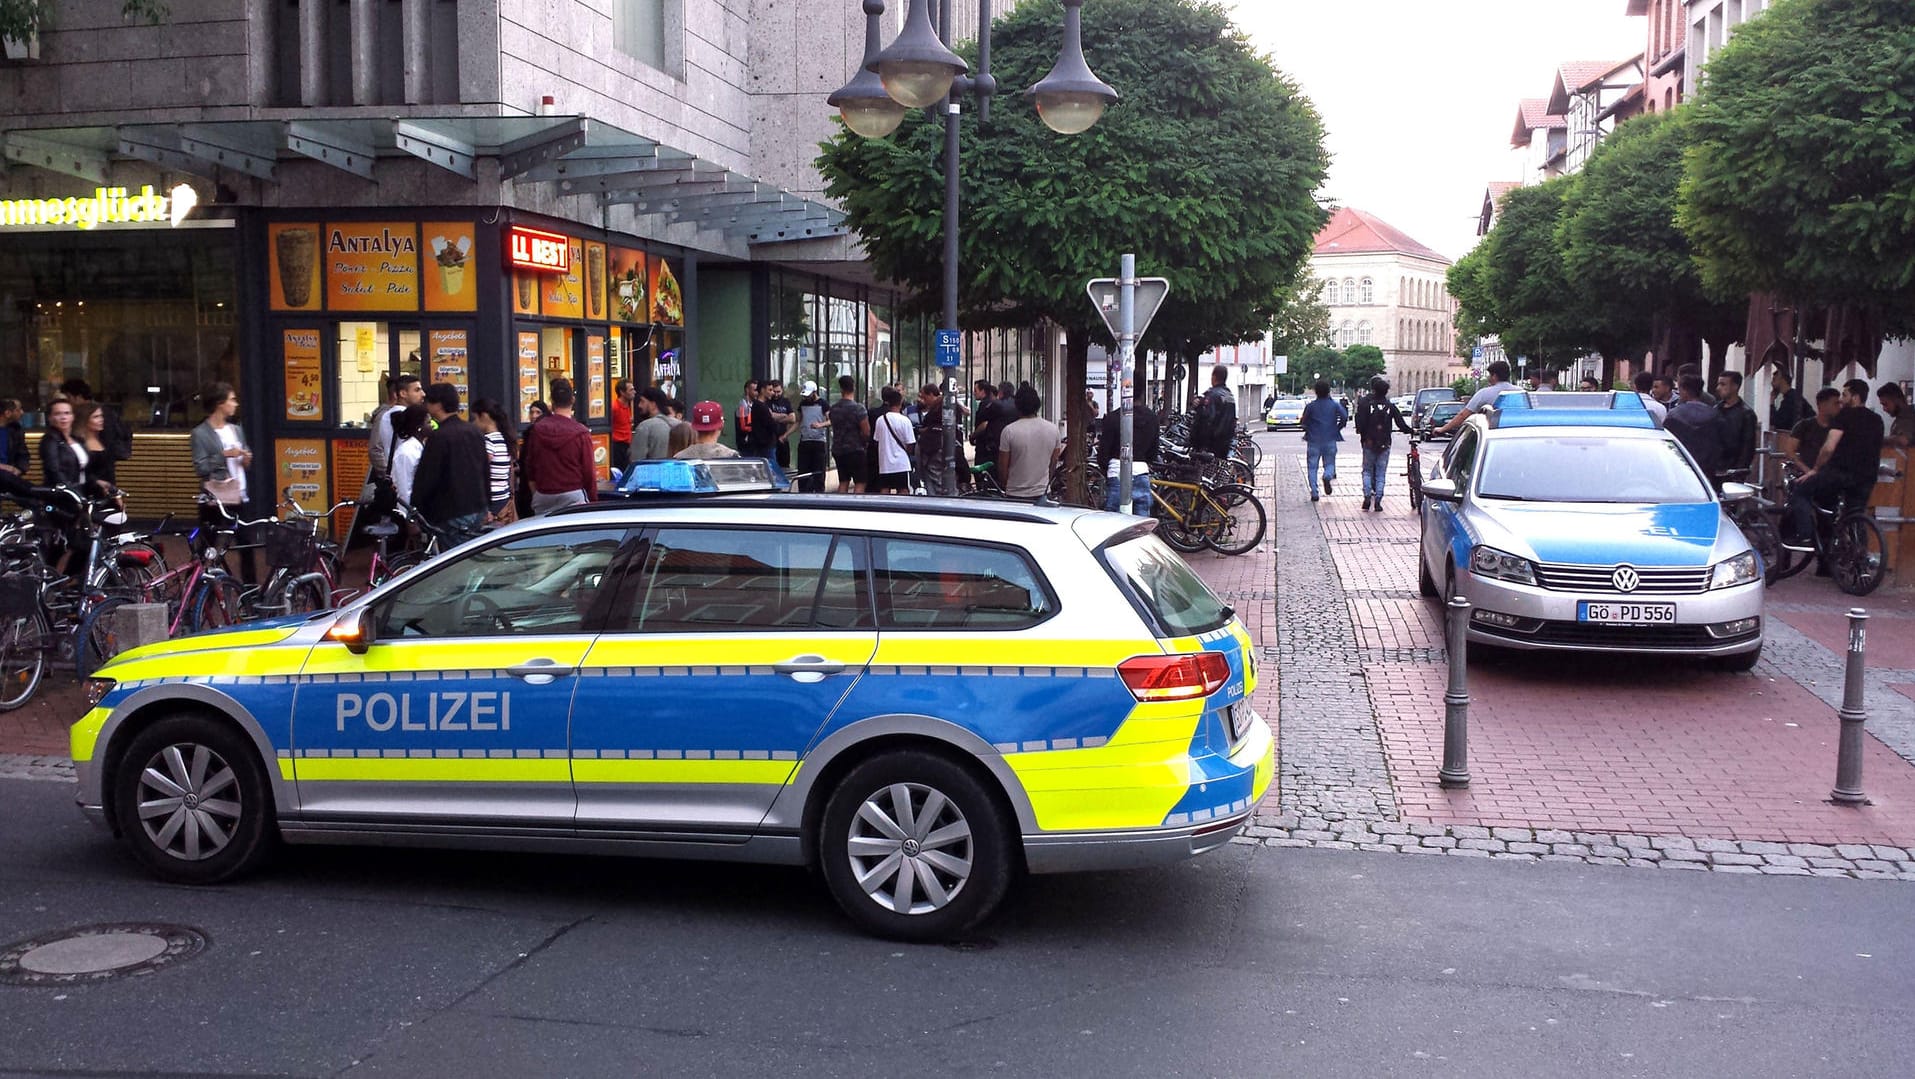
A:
532, 249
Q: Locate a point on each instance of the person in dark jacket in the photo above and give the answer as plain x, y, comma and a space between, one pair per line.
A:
450, 489
1787, 406
114, 435
558, 456
1323, 423
1144, 436
1375, 416
1697, 425
14, 455
1740, 431
62, 464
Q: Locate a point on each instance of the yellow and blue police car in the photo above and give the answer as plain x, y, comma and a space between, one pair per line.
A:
921, 697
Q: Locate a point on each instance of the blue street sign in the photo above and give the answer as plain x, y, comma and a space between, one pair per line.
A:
1476, 353
947, 349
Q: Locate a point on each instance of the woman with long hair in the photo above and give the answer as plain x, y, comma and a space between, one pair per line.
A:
501, 453
89, 430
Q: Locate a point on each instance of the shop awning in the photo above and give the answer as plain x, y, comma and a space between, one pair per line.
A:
580, 156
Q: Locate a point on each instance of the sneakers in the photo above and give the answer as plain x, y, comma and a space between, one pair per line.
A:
1366, 502
1313, 496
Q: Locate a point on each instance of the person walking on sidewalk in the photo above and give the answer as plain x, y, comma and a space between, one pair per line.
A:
1375, 416
558, 450
1323, 422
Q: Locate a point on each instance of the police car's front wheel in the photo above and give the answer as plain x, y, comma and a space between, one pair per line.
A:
914, 847
193, 801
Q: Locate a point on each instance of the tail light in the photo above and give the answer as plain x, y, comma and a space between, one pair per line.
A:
1184, 677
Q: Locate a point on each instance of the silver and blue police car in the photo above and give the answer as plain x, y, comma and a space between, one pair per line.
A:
1570, 521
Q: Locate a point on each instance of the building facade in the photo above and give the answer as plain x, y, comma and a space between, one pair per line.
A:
1383, 288
1665, 52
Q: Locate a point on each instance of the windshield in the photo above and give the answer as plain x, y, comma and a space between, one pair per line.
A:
1168, 588
1589, 468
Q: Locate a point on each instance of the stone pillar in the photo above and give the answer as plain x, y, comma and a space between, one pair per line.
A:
365, 52
415, 16
312, 55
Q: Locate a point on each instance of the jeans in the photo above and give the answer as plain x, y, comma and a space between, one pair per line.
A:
1326, 452
1376, 465
813, 458
1139, 495
1821, 489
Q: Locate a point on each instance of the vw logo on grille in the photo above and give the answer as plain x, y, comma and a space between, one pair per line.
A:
1626, 579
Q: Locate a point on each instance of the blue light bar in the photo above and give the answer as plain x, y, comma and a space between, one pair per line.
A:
1616, 408
707, 476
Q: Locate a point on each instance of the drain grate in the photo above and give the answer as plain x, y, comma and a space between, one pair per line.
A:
98, 953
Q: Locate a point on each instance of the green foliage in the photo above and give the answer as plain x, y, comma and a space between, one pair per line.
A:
1628, 259
1361, 363
1465, 386
1206, 169
1304, 320
21, 18
1520, 289
1476, 314
1801, 177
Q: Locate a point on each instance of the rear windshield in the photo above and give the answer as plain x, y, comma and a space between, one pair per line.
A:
1168, 589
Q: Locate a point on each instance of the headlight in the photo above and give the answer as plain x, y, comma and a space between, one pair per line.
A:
1734, 571
1490, 562
96, 690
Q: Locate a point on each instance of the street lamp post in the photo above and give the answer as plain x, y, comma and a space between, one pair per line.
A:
919, 70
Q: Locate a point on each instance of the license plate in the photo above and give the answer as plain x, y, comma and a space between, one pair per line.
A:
1240, 714
1626, 614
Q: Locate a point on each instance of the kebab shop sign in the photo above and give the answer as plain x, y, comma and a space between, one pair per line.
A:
537, 251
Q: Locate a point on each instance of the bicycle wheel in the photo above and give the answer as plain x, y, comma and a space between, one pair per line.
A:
1767, 541
1095, 487
215, 604
1172, 503
1415, 476
1240, 520
1858, 555
23, 658
307, 595
98, 639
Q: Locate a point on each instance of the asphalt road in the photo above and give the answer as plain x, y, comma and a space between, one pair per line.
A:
1248, 962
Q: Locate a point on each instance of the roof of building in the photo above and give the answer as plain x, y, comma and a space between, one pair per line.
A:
1492, 198
1581, 76
1637, 7
1352, 232
1533, 113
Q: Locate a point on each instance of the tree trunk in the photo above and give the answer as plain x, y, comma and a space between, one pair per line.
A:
1076, 412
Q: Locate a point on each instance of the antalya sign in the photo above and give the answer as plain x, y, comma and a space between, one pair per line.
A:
106, 206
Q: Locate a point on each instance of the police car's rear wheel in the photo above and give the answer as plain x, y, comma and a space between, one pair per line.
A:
192, 799
914, 847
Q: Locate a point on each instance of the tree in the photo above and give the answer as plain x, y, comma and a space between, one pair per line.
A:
1476, 314
1303, 320
1630, 263
21, 19
1206, 169
1520, 288
1318, 362
1361, 363
1798, 182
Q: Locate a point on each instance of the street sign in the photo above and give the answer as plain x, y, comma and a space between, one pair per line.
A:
1150, 296
948, 343
1476, 354
1280, 364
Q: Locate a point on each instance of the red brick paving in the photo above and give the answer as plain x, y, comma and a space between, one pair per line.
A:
39, 727
1891, 635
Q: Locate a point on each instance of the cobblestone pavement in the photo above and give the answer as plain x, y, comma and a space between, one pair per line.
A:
1608, 761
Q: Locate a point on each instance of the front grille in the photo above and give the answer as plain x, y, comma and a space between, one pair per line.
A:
1590, 635
1656, 581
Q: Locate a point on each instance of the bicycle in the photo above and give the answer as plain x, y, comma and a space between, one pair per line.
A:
1227, 518
208, 598
1846, 539
1413, 477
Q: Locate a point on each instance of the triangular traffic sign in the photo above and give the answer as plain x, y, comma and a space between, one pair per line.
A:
1149, 297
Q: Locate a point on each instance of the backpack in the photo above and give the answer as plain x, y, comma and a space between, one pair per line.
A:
1373, 426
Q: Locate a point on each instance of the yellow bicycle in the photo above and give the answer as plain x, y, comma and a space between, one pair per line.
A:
1228, 518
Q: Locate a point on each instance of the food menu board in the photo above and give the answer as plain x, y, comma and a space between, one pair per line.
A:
305, 393
293, 265
372, 266
349, 460
595, 275
594, 376
528, 374
668, 302
602, 457
631, 285
299, 468
563, 294
450, 278
448, 352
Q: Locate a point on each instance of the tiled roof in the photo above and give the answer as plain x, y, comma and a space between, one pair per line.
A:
1355, 232
1533, 113
1579, 76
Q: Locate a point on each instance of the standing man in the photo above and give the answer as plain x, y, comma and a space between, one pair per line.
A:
1375, 414
1214, 428
1848, 463
1663, 389
1645, 389
814, 441
654, 431
404, 391
1697, 425
1323, 423
934, 468
14, 456
1028, 449
894, 440
117, 440
1739, 429
450, 489
560, 450
1590, 385
708, 420
624, 399
1144, 437
1786, 404
1901, 419
785, 418
741, 418
1498, 374
850, 432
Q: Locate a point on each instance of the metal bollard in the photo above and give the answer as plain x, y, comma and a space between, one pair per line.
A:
1848, 754
1455, 770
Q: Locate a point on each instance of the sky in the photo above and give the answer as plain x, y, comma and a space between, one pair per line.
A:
1418, 97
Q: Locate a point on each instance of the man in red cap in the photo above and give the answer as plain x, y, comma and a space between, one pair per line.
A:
708, 420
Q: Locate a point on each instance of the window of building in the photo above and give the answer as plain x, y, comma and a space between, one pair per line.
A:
648, 31
1349, 290
1364, 333
1366, 294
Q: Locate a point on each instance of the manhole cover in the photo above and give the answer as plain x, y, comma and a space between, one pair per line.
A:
96, 953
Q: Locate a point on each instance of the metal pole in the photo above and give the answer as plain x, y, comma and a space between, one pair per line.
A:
1126, 345
951, 112
1848, 756
1455, 770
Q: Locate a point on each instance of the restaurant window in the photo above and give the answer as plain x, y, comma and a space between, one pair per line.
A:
146, 319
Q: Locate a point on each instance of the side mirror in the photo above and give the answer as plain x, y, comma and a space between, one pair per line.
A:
1737, 492
1442, 490
354, 630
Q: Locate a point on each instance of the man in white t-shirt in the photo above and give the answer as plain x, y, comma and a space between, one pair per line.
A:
893, 436
1498, 372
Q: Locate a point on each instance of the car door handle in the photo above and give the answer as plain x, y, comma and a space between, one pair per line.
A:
541, 672
809, 668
